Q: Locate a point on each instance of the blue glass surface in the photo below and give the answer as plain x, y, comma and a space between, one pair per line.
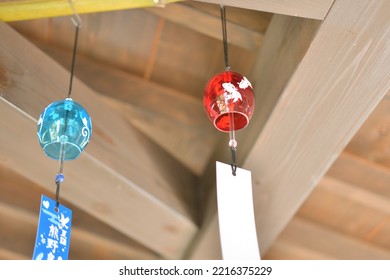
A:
64, 127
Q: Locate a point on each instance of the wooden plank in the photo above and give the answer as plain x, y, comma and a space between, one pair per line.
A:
372, 139
184, 134
154, 50
315, 9
18, 230
356, 194
136, 187
45, 97
331, 243
32, 9
91, 239
361, 172
251, 19
187, 140
341, 79
103, 37
183, 52
349, 74
287, 40
152, 108
209, 25
130, 54
207, 243
348, 209
90, 245
22, 225
11, 255
290, 37
284, 249
106, 195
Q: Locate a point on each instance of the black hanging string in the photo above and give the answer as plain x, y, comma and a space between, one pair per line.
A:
73, 59
224, 36
77, 22
60, 177
233, 164
232, 142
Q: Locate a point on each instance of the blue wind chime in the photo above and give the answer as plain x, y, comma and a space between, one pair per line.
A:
64, 130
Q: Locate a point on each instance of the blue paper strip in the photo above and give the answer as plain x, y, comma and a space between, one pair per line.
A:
53, 233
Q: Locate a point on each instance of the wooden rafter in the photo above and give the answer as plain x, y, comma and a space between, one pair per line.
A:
305, 234
148, 106
315, 9
290, 37
34, 9
320, 96
91, 238
312, 96
209, 25
341, 79
155, 197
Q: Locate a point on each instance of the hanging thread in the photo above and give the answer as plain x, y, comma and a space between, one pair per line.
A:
232, 140
60, 176
232, 143
77, 22
224, 37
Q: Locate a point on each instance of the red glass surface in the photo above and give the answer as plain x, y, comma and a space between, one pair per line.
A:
229, 96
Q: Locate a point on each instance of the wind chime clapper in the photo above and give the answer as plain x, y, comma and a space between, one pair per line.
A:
65, 127
229, 99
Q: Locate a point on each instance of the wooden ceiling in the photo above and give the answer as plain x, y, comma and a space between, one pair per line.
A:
144, 188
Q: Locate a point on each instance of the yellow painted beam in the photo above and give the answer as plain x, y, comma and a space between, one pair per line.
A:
12, 10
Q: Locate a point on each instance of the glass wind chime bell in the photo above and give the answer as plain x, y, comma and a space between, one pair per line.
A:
229, 99
65, 127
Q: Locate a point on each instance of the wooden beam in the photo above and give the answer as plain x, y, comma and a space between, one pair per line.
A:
91, 238
148, 106
122, 178
356, 194
251, 19
206, 244
154, 109
361, 172
372, 139
286, 42
209, 25
284, 249
6, 254
315, 9
189, 141
22, 225
341, 79
339, 246
32, 9
349, 209
18, 229
105, 194
290, 37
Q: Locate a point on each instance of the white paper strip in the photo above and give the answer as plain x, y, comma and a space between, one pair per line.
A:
236, 214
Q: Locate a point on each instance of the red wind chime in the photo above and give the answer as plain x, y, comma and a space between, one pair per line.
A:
229, 99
